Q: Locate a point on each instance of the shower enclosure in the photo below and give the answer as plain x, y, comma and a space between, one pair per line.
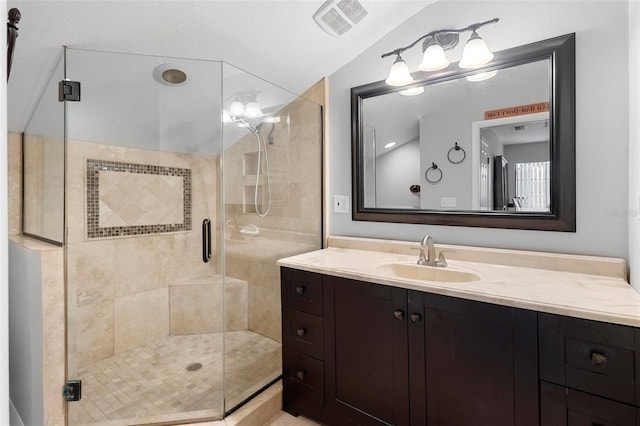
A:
174, 186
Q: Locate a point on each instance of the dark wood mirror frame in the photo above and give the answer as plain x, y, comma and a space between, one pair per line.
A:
560, 52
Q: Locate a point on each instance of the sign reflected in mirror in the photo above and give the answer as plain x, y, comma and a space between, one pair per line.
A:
502, 136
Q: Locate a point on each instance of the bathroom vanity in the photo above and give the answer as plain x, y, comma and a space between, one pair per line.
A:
369, 343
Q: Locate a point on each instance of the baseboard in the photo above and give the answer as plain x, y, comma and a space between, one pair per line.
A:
14, 417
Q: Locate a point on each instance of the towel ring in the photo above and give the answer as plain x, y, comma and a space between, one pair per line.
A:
434, 178
456, 148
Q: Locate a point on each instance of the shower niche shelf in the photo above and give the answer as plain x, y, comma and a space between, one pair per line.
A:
249, 163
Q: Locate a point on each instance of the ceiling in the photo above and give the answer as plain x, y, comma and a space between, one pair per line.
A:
276, 40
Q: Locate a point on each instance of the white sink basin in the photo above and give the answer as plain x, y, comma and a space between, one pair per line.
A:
414, 271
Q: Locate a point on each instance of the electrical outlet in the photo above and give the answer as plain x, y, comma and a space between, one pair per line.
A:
341, 204
448, 202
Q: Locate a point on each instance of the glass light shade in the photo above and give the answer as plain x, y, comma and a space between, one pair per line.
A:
236, 109
252, 110
226, 117
476, 53
399, 74
481, 76
412, 91
433, 58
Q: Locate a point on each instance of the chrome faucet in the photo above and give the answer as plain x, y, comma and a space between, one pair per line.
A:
430, 258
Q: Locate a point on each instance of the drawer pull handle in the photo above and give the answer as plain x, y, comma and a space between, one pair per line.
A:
415, 318
300, 290
398, 314
598, 359
301, 331
301, 375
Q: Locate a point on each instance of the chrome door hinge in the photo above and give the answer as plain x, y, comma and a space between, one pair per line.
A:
72, 390
68, 91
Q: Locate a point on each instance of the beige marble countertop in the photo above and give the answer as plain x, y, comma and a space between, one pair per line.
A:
561, 289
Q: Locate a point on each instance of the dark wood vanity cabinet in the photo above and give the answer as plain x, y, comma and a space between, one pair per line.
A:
589, 372
398, 357
369, 354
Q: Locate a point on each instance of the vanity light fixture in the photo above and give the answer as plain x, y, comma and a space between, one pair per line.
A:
475, 54
244, 105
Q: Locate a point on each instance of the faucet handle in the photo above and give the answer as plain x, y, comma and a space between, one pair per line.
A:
442, 262
422, 259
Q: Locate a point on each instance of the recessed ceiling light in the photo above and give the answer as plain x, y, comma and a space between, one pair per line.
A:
390, 145
412, 91
170, 74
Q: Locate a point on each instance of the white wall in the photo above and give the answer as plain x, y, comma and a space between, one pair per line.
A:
396, 171
602, 126
25, 338
634, 142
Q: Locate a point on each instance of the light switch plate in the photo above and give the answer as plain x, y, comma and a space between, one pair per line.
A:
341, 204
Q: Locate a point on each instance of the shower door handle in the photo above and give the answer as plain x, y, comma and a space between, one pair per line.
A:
206, 240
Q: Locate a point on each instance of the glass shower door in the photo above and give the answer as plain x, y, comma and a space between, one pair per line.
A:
272, 162
145, 293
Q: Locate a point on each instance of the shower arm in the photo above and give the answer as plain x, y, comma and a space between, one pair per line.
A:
12, 34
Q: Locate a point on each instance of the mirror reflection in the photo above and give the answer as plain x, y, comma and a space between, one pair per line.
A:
487, 135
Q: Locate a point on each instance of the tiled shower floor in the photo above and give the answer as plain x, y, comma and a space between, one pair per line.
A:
152, 384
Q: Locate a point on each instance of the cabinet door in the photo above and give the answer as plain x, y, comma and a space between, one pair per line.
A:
366, 367
476, 363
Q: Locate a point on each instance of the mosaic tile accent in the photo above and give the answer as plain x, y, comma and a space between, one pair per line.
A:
94, 167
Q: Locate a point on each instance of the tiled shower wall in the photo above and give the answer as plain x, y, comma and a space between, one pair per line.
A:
119, 288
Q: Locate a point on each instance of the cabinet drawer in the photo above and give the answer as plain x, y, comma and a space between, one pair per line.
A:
302, 291
303, 375
303, 332
591, 356
564, 406
600, 369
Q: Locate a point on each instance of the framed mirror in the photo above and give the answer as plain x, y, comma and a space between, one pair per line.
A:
488, 147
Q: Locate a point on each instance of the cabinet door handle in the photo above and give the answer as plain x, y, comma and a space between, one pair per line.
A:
301, 375
598, 359
398, 314
415, 318
301, 331
300, 290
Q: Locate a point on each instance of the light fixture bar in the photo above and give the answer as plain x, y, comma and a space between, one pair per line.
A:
472, 27
475, 54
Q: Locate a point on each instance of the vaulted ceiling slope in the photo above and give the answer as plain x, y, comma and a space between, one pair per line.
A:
276, 40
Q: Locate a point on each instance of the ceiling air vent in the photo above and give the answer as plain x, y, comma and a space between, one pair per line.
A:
337, 17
